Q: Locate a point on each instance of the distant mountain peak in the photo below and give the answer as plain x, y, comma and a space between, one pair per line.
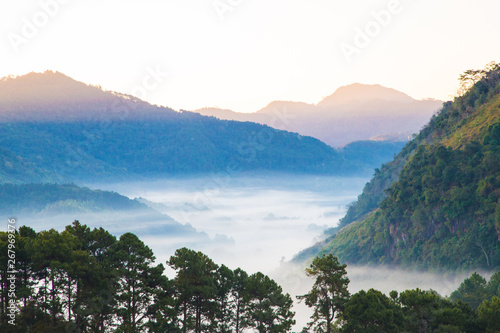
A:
48, 77
53, 95
35, 88
358, 92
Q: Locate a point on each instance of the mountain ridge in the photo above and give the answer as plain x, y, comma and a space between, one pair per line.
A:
112, 136
364, 92
352, 113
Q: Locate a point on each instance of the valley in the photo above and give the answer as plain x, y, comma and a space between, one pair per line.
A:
246, 198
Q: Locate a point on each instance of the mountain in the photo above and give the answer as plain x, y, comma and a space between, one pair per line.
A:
355, 112
62, 203
36, 198
53, 128
55, 97
437, 204
363, 93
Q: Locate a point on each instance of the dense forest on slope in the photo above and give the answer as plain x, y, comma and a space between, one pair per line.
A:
193, 144
443, 212
371, 153
14, 169
55, 129
87, 280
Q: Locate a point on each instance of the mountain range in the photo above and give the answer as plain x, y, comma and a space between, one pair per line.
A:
352, 113
56, 129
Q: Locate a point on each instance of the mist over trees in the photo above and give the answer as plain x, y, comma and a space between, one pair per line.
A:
88, 280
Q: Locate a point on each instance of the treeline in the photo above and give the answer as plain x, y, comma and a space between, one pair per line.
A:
87, 280
416, 311
190, 144
83, 280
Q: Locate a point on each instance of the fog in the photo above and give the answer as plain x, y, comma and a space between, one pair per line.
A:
253, 222
257, 223
142, 223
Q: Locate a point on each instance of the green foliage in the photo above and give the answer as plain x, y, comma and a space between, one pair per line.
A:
196, 285
371, 312
54, 129
442, 212
137, 283
413, 310
14, 169
426, 311
329, 293
472, 291
374, 191
85, 280
268, 308
489, 313
185, 144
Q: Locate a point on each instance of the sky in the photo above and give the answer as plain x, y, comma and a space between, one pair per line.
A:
242, 54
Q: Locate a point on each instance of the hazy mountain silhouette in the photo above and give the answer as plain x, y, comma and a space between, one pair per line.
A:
354, 112
358, 92
52, 96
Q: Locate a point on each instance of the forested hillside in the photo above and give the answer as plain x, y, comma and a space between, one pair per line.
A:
53, 203
55, 129
443, 210
35, 198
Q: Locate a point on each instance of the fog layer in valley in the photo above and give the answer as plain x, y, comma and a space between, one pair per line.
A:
254, 222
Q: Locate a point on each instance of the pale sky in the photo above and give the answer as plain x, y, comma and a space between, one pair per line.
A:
243, 54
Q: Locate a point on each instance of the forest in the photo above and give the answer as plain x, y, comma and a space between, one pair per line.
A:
87, 280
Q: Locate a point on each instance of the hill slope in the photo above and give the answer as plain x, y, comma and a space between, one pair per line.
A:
443, 210
56, 204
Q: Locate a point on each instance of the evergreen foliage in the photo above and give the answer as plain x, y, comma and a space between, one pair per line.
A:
86, 280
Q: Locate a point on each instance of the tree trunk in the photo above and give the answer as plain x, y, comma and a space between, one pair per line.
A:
184, 310
237, 317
